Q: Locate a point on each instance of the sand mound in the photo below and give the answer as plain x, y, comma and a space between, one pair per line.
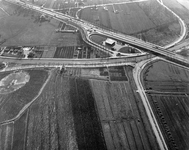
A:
13, 82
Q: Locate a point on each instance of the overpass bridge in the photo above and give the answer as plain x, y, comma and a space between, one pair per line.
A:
82, 63
88, 29
85, 27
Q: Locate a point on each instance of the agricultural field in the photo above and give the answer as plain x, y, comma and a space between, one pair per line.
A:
59, 40
179, 9
166, 86
89, 73
164, 34
59, 4
18, 89
6, 134
65, 39
88, 52
64, 116
44, 3
25, 27
64, 52
87, 125
117, 73
79, 112
124, 121
146, 20
73, 52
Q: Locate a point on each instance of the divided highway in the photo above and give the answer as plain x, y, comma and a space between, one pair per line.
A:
88, 29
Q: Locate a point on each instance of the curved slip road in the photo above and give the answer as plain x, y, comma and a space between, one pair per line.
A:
85, 27
137, 76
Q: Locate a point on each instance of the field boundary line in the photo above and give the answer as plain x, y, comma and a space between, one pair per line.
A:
82, 7
5, 11
12, 138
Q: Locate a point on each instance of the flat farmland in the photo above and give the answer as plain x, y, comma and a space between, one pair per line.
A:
45, 3
59, 4
24, 27
88, 129
96, 2
12, 103
82, 113
20, 132
117, 73
65, 39
64, 116
179, 9
140, 19
161, 35
124, 121
64, 52
166, 86
6, 136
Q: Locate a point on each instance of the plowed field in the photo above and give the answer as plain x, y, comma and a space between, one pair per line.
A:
166, 86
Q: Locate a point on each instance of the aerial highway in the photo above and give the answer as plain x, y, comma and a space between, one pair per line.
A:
97, 62
88, 29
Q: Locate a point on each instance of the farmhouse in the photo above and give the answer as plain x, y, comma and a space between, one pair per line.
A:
110, 42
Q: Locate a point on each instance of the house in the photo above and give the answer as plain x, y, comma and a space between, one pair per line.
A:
110, 42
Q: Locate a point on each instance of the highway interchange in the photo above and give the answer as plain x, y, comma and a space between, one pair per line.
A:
87, 30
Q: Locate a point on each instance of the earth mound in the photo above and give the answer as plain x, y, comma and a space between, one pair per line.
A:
13, 82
